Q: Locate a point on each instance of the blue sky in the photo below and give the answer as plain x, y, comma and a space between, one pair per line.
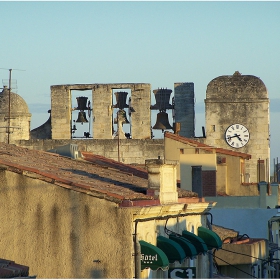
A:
151, 42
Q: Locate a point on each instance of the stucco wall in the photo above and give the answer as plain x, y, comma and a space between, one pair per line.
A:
229, 174
236, 178
172, 152
207, 161
130, 150
59, 233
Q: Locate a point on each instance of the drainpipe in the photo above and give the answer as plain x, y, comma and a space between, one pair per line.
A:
253, 270
137, 255
210, 255
270, 239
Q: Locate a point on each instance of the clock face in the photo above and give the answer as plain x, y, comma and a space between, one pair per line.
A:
237, 135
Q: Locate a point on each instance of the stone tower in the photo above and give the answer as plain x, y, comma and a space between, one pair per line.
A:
237, 118
184, 108
14, 117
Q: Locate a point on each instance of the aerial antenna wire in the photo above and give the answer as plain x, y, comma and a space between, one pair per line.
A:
9, 101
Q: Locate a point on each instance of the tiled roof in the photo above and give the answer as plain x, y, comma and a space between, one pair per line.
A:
10, 269
106, 162
78, 175
112, 181
225, 233
131, 169
197, 144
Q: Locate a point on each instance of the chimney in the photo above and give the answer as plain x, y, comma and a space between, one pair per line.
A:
162, 181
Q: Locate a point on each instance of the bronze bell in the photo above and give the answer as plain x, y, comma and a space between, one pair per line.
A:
81, 117
121, 99
162, 121
82, 103
162, 97
121, 116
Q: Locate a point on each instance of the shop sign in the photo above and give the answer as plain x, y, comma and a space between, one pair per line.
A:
149, 258
182, 272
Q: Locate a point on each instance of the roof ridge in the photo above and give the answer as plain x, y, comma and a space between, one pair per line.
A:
198, 144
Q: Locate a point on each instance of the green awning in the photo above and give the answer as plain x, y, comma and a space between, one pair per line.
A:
188, 247
172, 249
197, 242
152, 257
210, 237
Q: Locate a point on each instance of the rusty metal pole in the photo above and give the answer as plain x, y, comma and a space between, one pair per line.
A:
277, 171
118, 136
9, 105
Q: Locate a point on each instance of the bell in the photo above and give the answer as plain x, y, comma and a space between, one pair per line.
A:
162, 97
82, 117
121, 116
82, 103
121, 99
162, 121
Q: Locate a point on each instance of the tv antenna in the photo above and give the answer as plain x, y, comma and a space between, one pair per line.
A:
9, 106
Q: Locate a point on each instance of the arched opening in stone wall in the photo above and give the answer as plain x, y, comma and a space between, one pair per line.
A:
81, 114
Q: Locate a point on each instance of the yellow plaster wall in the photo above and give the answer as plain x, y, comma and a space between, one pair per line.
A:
221, 179
60, 233
172, 151
228, 177
186, 154
207, 161
245, 253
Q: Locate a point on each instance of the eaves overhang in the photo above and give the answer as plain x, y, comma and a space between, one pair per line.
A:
167, 210
118, 186
198, 145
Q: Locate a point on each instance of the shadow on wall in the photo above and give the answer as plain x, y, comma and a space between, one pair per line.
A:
96, 274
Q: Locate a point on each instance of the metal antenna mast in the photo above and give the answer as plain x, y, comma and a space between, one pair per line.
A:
9, 102
9, 110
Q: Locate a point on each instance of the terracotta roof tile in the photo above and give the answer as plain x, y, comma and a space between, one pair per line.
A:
197, 144
106, 162
10, 269
224, 233
104, 178
78, 174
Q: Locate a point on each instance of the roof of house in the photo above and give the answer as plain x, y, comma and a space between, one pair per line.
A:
225, 233
103, 178
10, 269
106, 162
199, 145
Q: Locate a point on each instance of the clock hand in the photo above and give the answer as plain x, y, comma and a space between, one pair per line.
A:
235, 135
238, 136
229, 137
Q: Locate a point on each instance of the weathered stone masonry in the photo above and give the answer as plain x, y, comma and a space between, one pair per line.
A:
102, 109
